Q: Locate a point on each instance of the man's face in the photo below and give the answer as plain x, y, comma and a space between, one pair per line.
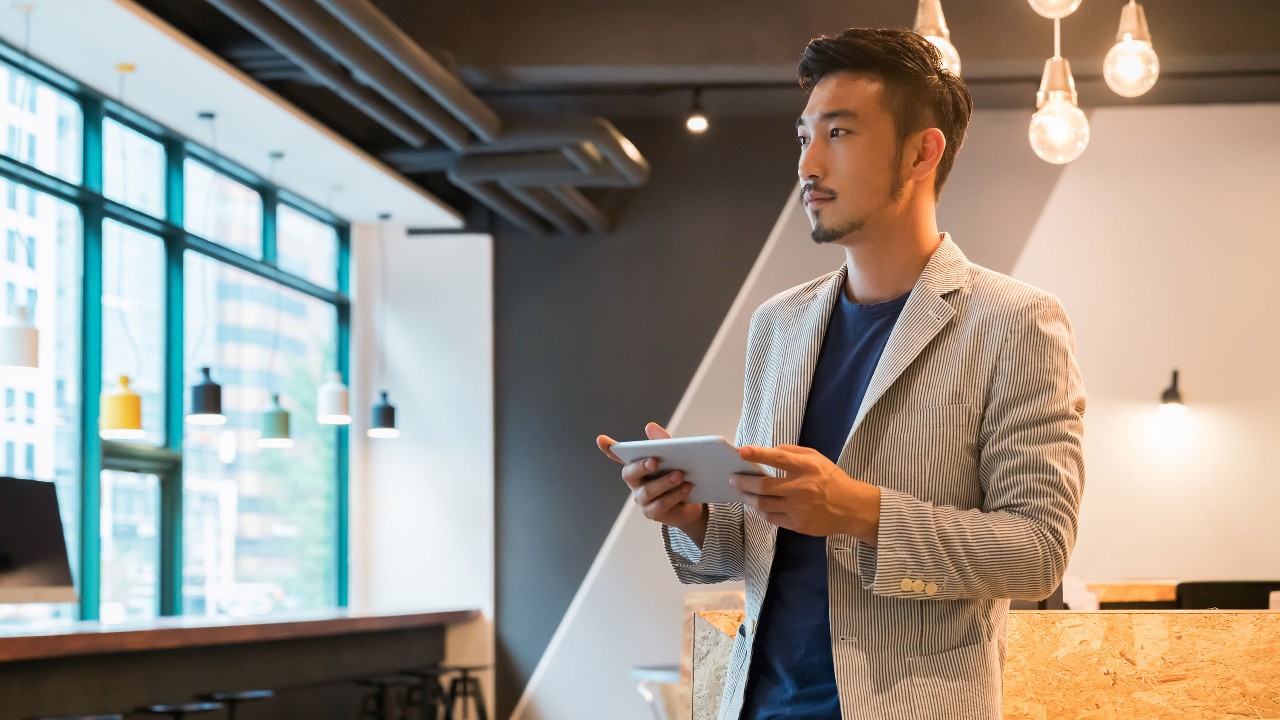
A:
849, 155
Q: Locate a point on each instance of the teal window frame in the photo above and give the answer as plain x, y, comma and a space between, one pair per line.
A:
166, 460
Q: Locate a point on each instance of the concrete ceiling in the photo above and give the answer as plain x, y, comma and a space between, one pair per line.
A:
642, 58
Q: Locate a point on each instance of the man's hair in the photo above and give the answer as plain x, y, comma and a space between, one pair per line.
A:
918, 91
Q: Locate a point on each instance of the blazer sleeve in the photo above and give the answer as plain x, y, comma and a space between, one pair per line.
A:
723, 555
1031, 468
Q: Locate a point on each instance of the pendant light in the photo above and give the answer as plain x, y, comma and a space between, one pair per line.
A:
1131, 66
333, 402
121, 414
19, 340
1059, 131
206, 401
1054, 9
697, 122
1171, 399
384, 419
275, 425
933, 26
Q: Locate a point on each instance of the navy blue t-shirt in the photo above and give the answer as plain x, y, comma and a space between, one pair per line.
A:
792, 674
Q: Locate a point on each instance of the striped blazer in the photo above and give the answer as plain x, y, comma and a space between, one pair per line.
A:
972, 426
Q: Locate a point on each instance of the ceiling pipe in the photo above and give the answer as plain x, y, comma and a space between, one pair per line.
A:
384, 36
580, 206
333, 38
499, 201
541, 202
293, 46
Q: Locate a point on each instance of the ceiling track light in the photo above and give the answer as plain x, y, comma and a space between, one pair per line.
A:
933, 26
697, 122
1054, 9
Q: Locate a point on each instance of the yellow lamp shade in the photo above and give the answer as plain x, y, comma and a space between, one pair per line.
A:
121, 417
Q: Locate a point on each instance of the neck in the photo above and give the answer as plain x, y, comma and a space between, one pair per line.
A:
886, 263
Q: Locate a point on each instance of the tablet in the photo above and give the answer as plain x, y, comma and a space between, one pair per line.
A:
707, 462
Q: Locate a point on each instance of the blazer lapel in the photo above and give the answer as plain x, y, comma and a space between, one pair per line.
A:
922, 318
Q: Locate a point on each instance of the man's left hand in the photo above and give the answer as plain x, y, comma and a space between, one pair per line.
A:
814, 496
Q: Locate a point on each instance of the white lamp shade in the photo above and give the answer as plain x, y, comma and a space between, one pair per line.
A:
333, 402
19, 341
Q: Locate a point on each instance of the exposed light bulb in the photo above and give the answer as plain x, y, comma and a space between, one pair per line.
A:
1054, 9
1059, 132
950, 56
931, 23
1131, 66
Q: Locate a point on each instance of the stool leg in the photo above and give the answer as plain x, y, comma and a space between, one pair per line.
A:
450, 702
479, 699
231, 709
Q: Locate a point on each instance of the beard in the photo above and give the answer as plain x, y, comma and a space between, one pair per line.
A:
822, 235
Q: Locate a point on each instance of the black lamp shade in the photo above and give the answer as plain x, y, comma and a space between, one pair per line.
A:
206, 401
384, 419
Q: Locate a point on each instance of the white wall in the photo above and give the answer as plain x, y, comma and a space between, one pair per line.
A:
422, 504
1154, 240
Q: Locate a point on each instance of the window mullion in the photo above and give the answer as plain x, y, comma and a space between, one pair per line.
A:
91, 209
171, 483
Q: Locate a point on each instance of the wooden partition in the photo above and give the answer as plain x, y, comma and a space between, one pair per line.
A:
1109, 665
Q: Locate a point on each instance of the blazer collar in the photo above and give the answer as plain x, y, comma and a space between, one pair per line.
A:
922, 318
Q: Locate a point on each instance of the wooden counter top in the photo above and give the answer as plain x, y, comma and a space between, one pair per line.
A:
96, 638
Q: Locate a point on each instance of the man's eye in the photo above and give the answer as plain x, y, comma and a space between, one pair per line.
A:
801, 139
836, 130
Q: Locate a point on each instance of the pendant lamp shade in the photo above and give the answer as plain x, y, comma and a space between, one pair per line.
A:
206, 401
1171, 399
384, 419
275, 425
333, 402
121, 417
19, 341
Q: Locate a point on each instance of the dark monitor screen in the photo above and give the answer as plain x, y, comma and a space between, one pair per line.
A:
33, 551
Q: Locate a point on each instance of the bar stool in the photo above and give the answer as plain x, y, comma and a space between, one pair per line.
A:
465, 687
178, 712
427, 695
381, 700
232, 699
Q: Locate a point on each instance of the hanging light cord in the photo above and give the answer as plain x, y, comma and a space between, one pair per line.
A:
1057, 37
382, 310
204, 220
124, 316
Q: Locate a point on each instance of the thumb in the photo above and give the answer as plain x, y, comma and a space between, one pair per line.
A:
656, 432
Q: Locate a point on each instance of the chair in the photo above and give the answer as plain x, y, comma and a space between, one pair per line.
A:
382, 699
232, 699
428, 696
1230, 595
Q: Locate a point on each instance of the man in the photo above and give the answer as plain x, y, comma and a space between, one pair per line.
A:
921, 417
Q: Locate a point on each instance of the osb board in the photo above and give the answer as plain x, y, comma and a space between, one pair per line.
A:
1112, 665
1171, 665
712, 642
700, 601
1134, 592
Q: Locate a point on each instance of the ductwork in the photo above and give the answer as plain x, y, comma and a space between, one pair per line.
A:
525, 170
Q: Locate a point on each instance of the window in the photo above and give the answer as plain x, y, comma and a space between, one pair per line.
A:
42, 407
130, 546
259, 526
30, 248
47, 135
11, 245
133, 168
8, 458
133, 319
222, 210
306, 247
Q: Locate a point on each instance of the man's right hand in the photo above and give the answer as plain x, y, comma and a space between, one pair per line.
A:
662, 498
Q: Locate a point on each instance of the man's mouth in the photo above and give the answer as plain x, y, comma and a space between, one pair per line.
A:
815, 200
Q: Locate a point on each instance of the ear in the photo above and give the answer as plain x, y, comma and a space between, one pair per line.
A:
924, 152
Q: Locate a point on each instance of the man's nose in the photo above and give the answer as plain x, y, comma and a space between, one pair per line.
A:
811, 165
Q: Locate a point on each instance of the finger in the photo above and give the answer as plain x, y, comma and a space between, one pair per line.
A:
764, 503
654, 431
639, 472
661, 506
606, 443
773, 457
755, 484
653, 489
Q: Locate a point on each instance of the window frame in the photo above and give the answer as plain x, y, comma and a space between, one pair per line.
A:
165, 460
